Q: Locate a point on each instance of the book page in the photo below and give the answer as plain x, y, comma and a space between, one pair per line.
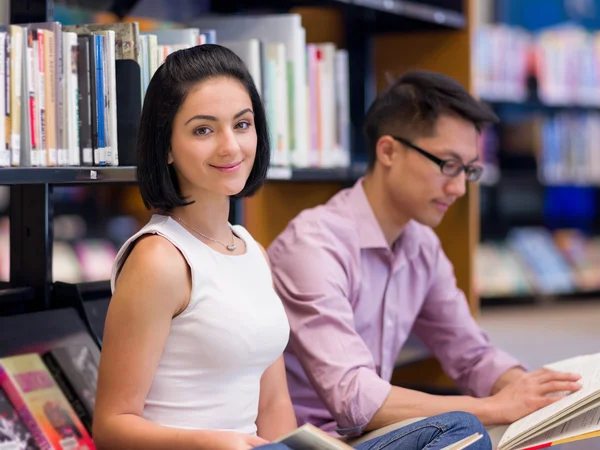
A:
583, 424
309, 437
464, 443
588, 367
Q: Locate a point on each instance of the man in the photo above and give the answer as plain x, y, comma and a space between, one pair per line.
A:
357, 274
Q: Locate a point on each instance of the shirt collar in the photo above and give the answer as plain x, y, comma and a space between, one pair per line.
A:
370, 233
369, 230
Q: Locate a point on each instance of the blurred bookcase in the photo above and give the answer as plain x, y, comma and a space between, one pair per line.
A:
382, 37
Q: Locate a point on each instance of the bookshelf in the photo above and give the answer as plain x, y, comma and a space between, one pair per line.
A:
544, 151
66, 175
381, 36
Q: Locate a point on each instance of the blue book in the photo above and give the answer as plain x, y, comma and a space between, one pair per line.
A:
100, 100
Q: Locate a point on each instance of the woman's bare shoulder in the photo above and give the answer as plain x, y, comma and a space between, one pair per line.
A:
155, 268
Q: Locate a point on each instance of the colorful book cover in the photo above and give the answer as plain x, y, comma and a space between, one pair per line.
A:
41, 404
75, 369
14, 435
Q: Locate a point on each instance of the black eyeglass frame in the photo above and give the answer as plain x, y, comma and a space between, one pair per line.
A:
472, 171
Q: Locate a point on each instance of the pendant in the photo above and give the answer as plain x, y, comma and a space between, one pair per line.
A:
231, 247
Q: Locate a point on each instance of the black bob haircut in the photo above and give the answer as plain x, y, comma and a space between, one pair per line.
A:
166, 93
411, 106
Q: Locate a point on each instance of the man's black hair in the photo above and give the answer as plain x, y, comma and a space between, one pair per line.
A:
411, 106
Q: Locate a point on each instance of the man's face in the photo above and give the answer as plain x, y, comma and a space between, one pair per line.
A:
417, 187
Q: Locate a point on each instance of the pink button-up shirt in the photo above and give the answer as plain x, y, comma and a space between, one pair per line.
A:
352, 301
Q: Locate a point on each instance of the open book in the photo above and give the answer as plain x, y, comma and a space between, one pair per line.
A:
309, 437
574, 417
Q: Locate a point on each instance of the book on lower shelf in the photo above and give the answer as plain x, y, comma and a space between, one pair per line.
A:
574, 417
309, 437
41, 404
14, 435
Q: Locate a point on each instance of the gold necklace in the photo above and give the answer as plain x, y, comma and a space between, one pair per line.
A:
231, 247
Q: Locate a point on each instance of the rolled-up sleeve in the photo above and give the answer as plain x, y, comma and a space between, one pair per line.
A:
312, 275
446, 326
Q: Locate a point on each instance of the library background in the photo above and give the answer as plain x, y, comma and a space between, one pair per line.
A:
525, 241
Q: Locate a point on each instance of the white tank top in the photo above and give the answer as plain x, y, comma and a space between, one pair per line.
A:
234, 327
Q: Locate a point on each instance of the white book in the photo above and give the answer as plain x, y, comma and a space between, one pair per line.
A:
574, 417
153, 53
177, 36
342, 113
145, 69
4, 152
27, 157
280, 142
37, 157
51, 122
249, 52
16, 73
326, 69
309, 437
274, 28
70, 100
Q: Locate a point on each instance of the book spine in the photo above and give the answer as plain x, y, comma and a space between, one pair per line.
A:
74, 148
50, 98
84, 97
41, 98
93, 100
12, 392
108, 135
32, 66
100, 107
4, 153
16, 72
7, 94
61, 86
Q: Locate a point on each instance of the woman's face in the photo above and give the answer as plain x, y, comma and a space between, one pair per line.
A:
213, 143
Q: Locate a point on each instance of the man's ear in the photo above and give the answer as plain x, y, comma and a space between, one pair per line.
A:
386, 150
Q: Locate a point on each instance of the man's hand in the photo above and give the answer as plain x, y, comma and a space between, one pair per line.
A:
506, 378
530, 392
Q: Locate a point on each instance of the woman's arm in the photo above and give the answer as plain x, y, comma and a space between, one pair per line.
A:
153, 287
275, 412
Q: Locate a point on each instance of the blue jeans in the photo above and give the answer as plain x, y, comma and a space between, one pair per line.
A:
433, 433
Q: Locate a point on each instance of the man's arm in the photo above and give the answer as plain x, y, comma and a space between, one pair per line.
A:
312, 279
447, 328
517, 399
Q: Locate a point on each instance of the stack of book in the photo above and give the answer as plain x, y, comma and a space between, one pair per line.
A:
47, 400
71, 95
494, 79
534, 261
565, 60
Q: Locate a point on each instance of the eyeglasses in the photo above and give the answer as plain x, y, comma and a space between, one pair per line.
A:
449, 167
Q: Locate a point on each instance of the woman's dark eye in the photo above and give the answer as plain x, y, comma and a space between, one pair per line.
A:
243, 125
202, 130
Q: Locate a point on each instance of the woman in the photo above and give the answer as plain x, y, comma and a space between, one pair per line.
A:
193, 342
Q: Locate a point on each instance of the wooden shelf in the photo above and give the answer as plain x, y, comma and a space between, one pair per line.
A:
378, 16
420, 12
334, 175
538, 105
66, 175
99, 175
